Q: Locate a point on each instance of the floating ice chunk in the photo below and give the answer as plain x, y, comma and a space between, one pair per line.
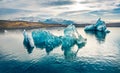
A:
107, 31
28, 42
69, 31
81, 41
39, 38
72, 32
68, 42
44, 39
99, 26
71, 37
5, 31
90, 28
52, 42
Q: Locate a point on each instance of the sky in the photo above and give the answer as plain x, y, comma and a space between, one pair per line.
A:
81, 11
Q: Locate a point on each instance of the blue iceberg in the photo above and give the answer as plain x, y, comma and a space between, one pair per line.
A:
71, 37
28, 42
99, 26
46, 40
68, 42
43, 39
71, 31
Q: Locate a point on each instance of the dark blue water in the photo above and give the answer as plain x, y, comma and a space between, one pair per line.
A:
100, 54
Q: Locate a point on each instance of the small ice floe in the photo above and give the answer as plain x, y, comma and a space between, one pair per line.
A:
5, 31
28, 42
98, 26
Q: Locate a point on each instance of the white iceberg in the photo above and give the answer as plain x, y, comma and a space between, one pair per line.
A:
99, 26
28, 42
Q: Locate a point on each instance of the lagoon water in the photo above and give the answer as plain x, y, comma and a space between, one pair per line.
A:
100, 54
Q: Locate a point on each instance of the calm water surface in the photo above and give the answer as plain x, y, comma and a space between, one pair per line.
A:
100, 54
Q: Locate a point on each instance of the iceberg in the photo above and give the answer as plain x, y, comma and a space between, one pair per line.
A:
43, 39
72, 32
28, 42
46, 40
71, 37
68, 42
98, 26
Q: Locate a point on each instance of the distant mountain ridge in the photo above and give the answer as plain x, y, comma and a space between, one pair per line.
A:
46, 21
58, 21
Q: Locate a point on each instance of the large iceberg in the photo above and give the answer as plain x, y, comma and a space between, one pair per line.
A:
28, 42
68, 42
71, 37
44, 39
71, 31
98, 26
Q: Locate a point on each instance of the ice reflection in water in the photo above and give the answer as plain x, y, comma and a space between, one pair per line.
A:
100, 36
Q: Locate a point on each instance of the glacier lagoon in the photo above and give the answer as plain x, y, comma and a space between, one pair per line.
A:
100, 54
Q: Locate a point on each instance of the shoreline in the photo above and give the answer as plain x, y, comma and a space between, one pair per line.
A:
27, 28
10, 25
